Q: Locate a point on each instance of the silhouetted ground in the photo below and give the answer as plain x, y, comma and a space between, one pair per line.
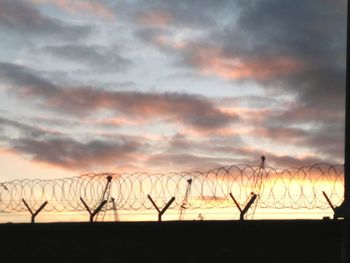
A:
191, 241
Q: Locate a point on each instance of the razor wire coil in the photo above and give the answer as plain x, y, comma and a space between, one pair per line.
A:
295, 188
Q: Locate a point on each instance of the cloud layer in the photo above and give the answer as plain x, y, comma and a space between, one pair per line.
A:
172, 85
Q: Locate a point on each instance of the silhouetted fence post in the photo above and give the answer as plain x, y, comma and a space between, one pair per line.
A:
105, 196
246, 208
161, 212
330, 204
95, 212
116, 217
33, 215
184, 204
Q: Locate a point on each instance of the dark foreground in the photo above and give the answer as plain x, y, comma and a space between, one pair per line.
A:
197, 241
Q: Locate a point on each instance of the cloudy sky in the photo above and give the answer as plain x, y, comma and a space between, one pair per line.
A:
160, 85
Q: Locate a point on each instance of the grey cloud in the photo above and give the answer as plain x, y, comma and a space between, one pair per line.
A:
325, 134
195, 13
329, 141
22, 76
22, 18
68, 78
22, 128
326, 140
195, 111
186, 162
287, 161
251, 101
57, 149
152, 35
208, 145
95, 57
313, 33
190, 161
71, 154
326, 144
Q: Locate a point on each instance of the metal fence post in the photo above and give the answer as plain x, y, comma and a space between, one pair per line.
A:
161, 212
34, 214
246, 208
95, 212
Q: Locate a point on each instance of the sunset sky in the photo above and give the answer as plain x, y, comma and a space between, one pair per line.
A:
160, 85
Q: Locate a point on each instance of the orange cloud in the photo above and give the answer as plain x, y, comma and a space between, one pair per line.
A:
118, 121
156, 18
255, 116
168, 42
75, 6
211, 60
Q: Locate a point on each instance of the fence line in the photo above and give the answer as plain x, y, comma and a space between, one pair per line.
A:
295, 188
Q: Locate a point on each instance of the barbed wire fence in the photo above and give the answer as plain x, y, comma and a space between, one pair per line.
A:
294, 188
